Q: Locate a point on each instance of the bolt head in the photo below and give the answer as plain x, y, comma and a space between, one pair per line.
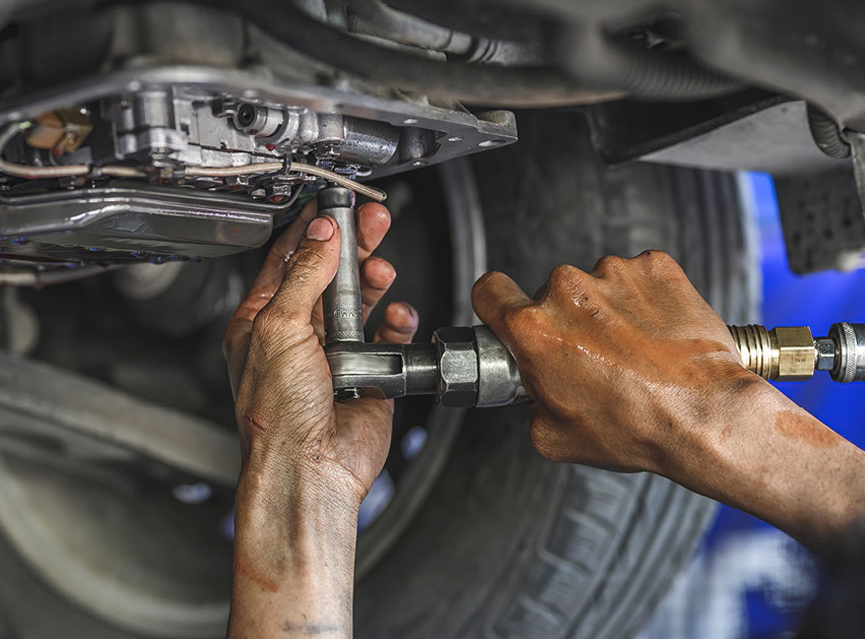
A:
825, 354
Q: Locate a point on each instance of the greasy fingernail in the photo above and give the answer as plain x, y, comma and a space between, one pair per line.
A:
320, 230
408, 309
388, 272
395, 309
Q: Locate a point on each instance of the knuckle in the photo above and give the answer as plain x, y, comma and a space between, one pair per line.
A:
655, 257
306, 261
569, 283
301, 271
268, 323
564, 275
662, 263
608, 265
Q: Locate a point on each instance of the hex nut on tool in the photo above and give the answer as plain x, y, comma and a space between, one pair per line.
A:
458, 366
796, 357
826, 354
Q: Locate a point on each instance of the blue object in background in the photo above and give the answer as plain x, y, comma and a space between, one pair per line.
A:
750, 580
816, 300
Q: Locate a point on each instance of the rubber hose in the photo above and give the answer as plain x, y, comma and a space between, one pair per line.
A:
826, 134
645, 74
473, 84
653, 75
650, 75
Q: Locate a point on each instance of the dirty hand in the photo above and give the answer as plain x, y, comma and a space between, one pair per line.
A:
307, 462
631, 370
620, 362
279, 373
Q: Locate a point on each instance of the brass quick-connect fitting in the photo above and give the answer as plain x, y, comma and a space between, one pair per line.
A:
785, 353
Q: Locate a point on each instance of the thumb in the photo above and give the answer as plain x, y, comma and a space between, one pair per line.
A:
310, 270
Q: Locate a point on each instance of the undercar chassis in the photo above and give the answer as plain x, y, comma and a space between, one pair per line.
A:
149, 151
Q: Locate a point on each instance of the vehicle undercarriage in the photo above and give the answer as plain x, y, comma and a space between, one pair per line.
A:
160, 145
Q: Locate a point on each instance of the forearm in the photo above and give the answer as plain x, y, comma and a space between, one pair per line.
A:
763, 454
294, 560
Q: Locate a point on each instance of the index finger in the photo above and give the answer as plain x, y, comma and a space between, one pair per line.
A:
494, 297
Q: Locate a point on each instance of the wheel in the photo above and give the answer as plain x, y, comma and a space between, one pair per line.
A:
509, 545
96, 545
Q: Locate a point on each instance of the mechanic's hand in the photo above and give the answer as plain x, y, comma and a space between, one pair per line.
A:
279, 373
621, 362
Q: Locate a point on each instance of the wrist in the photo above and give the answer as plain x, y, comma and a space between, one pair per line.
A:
295, 491
311, 529
701, 437
755, 450
294, 556
269, 469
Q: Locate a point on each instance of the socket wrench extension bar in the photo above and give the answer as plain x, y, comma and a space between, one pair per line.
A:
467, 366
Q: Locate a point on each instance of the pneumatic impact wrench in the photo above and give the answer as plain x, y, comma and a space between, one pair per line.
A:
467, 366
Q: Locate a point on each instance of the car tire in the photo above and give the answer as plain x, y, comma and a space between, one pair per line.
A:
509, 545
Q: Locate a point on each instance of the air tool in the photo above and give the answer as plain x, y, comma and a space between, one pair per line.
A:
466, 366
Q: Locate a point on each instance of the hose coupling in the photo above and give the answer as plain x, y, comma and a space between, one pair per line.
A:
785, 353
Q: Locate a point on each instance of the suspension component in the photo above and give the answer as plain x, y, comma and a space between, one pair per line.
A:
790, 353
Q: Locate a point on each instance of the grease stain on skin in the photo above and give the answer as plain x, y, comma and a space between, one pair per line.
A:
241, 567
805, 429
631, 356
670, 362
